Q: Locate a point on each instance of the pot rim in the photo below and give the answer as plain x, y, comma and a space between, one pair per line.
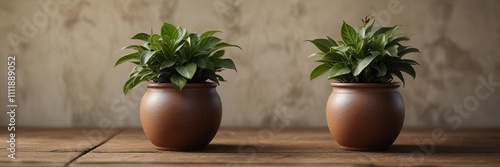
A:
188, 85
366, 85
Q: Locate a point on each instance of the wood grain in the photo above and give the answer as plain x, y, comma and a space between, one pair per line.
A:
254, 147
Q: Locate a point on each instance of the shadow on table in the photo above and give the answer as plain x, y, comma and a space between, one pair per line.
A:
224, 148
406, 148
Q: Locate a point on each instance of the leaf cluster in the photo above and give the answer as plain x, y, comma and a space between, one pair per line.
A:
370, 55
176, 56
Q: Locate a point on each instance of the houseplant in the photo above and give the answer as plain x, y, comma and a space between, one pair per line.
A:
180, 110
365, 110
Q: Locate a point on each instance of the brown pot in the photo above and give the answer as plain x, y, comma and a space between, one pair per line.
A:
365, 116
181, 120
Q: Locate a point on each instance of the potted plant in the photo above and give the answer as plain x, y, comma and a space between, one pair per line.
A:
365, 110
181, 110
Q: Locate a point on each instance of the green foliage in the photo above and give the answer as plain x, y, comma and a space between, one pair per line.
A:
369, 55
176, 56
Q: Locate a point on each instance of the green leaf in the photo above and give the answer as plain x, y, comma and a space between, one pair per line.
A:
213, 77
142, 36
187, 71
221, 45
385, 30
135, 47
224, 63
219, 53
131, 84
208, 44
398, 38
181, 32
399, 75
321, 44
167, 64
320, 70
209, 64
381, 69
201, 63
407, 68
380, 42
348, 34
317, 54
146, 56
408, 61
340, 48
338, 70
169, 32
178, 81
132, 56
362, 64
155, 42
209, 33
405, 51
392, 51
332, 41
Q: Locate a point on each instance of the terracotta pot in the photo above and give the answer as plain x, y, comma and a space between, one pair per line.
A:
365, 116
181, 121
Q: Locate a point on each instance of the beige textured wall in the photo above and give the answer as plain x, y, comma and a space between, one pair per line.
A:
66, 77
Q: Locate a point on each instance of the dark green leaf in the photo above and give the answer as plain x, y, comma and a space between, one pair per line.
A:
320, 70
187, 71
385, 30
131, 84
392, 51
207, 44
209, 33
219, 53
178, 81
407, 68
132, 56
169, 32
146, 56
201, 63
155, 42
142, 36
381, 69
399, 75
362, 64
221, 45
167, 64
332, 41
321, 44
348, 34
405, 51
224, 63
408, 61
338, 70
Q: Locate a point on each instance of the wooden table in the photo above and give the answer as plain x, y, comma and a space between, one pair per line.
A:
248, 147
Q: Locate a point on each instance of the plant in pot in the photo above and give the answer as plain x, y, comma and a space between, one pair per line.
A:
181, 109
365, 110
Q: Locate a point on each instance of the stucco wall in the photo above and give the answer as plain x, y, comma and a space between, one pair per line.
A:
66, 77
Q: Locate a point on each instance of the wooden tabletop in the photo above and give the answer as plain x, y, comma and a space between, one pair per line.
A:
249, 147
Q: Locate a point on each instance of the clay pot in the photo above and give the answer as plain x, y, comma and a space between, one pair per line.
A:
365, 116
180, 120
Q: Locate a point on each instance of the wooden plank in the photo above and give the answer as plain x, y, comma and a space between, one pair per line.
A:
233, 141
251, 147
51, 147
223, 158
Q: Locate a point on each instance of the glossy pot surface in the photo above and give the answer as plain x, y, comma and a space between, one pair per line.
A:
365, 116
181, 120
